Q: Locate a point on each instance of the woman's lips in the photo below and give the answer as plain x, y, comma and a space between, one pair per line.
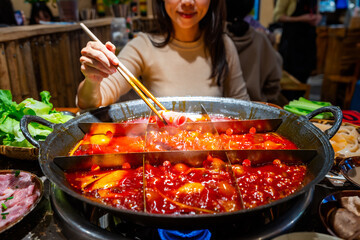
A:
187, 15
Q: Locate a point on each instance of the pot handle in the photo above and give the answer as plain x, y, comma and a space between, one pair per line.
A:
24, 123
338, 116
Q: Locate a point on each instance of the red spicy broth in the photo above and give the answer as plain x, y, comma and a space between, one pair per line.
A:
177, 188
121, 188
181, 189
265, 184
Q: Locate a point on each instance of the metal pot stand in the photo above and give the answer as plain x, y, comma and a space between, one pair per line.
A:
75, 225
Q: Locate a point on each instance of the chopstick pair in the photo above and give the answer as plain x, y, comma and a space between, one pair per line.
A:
131, 79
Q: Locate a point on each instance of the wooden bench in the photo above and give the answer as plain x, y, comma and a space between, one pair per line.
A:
342, 66
290, 83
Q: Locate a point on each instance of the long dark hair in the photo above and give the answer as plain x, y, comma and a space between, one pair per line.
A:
212, 25
237, 10
7, 16
36, 8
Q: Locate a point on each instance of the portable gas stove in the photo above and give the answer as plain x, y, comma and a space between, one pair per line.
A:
80, 220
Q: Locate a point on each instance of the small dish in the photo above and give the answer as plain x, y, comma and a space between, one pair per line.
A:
350, 169
330, 204
306, 235
38, 189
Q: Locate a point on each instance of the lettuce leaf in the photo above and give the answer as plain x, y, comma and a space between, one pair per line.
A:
11, 114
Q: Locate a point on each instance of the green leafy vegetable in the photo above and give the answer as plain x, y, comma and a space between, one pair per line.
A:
17, 172
303, 106
11, 114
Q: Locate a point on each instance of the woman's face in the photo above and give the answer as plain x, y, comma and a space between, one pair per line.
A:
186, 14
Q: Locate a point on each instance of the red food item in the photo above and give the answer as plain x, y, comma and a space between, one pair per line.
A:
171, 118
18, 194
179, 188
269, 140
190, 191
265, 184
100, 144
178, 139
119, 188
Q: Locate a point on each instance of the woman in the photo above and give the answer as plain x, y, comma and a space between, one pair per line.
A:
7, 17
188, 55
298, 40
260, 63
40, 12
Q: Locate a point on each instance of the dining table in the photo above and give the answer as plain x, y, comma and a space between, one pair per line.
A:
44, 223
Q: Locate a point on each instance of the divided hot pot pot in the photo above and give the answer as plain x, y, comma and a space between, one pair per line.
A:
296, 128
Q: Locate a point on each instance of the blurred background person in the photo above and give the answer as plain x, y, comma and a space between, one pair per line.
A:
298, 40
40, 12
261, 64
7, 17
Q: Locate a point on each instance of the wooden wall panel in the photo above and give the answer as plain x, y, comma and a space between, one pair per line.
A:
65, 56
29, 69
4, 70
57, 71
45, 57
50, 69
11, 53
24, 86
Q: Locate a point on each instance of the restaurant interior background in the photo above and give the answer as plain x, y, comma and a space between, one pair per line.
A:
29, 53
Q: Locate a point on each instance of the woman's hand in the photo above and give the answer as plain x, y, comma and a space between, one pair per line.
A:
312, 19
98, 61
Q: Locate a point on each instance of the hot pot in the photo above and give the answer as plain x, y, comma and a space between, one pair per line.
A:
297, 128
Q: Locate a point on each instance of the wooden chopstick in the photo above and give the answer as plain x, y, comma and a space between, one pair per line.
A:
131, 79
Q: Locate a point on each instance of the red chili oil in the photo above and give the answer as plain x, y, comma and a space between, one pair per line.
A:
264, 184
179, 188
120, 188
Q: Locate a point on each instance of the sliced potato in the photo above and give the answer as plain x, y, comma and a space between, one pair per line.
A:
110, 180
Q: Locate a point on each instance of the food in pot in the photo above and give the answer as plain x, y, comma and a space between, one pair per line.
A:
264, 184
178, 188
170, 186
178, 138
18, 193
181, 189
121, 188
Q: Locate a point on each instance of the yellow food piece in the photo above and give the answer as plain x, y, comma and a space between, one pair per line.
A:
87, 180
190, 188
99, 139
110, 180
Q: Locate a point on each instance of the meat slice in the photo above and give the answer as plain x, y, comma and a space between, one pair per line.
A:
345, 223
18, 193
4, 182
352, 204
171, 118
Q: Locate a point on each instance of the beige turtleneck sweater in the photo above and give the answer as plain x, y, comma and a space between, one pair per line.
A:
178, 69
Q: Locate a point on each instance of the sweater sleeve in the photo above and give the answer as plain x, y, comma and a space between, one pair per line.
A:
234, 85
283, 7
115, 85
